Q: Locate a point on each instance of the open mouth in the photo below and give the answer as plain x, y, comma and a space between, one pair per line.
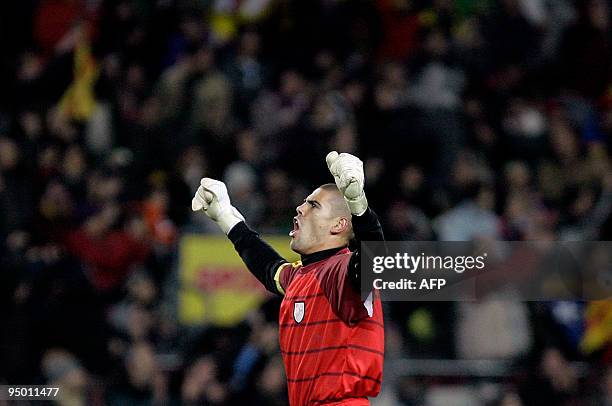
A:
296, 227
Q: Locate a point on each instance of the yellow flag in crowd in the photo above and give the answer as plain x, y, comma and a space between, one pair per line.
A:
598, 331
78, 101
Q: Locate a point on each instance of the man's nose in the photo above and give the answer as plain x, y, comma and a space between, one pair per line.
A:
299, 209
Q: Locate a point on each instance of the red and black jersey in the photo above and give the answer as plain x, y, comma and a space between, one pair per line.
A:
332, 348
331, 344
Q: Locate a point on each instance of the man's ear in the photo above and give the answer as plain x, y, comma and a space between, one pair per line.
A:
340, 226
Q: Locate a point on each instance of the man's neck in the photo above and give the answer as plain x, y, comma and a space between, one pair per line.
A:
317, 256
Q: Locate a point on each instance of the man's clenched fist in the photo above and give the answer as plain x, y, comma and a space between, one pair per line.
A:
347, 171
212, 198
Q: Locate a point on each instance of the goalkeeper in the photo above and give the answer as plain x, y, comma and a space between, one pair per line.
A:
331, 340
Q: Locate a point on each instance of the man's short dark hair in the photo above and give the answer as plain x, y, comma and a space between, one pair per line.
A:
339, 206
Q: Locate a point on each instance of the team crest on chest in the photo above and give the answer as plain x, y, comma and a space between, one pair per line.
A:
299, 309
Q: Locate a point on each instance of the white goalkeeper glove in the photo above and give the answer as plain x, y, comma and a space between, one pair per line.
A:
212, 198
347, 170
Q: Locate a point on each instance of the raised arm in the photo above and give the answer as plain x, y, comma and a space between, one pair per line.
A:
367, 227
348, 174
260, 258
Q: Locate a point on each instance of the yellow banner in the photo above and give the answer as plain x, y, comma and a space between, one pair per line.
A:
215, 285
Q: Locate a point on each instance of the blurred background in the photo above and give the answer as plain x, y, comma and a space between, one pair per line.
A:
476, 119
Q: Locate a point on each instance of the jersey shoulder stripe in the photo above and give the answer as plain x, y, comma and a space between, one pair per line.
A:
277, 278
277, 275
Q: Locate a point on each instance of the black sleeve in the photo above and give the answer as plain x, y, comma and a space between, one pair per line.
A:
366, 228
261, 259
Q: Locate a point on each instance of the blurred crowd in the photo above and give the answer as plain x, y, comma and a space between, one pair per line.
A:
475, 119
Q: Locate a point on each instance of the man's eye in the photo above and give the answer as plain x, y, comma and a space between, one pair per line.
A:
312, 204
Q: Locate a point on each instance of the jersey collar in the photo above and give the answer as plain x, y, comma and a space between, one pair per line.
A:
320, 255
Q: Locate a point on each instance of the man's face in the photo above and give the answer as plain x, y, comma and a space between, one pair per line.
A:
315, 227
